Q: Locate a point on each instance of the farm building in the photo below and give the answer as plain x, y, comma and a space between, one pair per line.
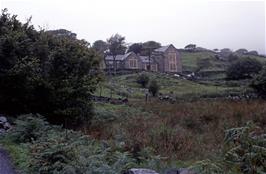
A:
164, 59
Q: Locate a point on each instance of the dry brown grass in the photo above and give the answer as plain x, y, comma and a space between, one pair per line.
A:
185, 131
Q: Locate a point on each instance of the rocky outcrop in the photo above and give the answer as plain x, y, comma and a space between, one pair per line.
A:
140, 171
4, 124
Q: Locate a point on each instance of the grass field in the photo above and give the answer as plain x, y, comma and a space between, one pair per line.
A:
181, 131
190, 61
126, 85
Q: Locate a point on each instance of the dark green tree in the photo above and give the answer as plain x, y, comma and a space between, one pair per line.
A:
191, 47
116, 46
43, 73
100, 46
243, 68
154, 88
136, 48
147, 49
259, 83
143, 80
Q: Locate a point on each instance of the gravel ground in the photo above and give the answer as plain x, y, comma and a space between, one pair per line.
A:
6, 166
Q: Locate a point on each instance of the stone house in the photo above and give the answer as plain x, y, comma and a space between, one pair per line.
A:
126, 61
164, 59
168, 59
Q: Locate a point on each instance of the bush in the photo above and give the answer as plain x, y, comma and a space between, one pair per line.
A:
143, 80
154, 88
246, 148
259, 83
243, 68
45, 73
52, 149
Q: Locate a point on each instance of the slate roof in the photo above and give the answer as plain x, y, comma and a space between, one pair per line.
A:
145, 59
119, 57
162, 48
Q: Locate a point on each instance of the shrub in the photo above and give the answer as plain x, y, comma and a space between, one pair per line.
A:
45, 73
154, 88
246, 148
52, 149
243, 68
259, 83
143, 80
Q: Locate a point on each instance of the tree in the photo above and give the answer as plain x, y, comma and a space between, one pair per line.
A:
100, 46
136, 48
62, 33
43, 73
116, 46
225, 52
143, 80
242, 51
148, 48
254, 53
154, 88
190, 47
243, 68
259, 83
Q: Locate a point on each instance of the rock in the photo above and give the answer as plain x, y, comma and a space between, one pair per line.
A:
2, 131
3, 119
7, 126
179, 171
140, 171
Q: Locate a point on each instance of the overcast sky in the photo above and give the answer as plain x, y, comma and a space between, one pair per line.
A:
207, 23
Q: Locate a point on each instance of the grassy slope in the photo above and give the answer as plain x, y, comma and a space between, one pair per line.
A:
190, 60
181, 88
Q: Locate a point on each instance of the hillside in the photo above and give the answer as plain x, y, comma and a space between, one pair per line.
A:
192, 61
177, 87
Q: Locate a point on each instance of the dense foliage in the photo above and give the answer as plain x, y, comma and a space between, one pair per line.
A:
143, 80
51, 149
154, 87
259, 83
44, 73
243, 68
246, 148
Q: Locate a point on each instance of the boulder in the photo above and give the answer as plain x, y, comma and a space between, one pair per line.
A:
4, 125
3, 119
7, 126
140, 171
179, 171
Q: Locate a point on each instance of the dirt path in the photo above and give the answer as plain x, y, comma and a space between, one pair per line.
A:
5, 163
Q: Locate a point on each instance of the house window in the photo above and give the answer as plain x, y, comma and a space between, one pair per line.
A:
154, 67
133, 63
172, 62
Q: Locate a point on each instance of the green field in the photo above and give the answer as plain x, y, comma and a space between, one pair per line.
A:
126, 86
191, 60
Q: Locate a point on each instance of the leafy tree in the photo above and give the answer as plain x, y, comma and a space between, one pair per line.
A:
116, 46
136, 48
190, 47
43, 73
63, 33
143, 80
254, 53
241, 51
225, 52
232, 57
243, 68
154, 88
147, 49
100, 46
259, 83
